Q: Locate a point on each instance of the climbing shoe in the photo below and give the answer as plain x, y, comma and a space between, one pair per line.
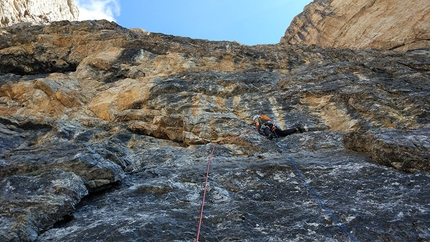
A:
302, 128
271, 136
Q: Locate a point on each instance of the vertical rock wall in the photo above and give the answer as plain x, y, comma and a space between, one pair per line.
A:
362, 24
38, 12
129, 118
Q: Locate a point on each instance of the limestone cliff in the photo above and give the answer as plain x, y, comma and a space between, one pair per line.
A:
130, 118
37, 12
362, 24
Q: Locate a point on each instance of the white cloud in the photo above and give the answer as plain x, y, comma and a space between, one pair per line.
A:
98, 9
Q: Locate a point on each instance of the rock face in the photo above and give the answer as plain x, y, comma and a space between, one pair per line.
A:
362, 24
37, 12
130, 118
402, 149
42, 199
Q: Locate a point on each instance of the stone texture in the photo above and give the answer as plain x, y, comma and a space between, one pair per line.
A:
362, 24
37, 12
33, 202
256, 198
132, 116
97, 167
403, 149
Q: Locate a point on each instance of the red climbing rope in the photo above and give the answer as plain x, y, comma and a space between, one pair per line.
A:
204, 193
207, 177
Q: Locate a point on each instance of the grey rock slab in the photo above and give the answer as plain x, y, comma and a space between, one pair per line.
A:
259, 198
33, 203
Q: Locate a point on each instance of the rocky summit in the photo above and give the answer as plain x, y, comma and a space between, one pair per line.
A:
106, 134
362, 24
36, 11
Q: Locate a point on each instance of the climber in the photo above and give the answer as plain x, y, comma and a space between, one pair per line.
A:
266, 127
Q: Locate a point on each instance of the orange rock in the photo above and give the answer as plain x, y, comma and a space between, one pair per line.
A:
362, 24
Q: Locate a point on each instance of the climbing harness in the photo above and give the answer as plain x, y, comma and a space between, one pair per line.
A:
312, 190
265, 122
270, 125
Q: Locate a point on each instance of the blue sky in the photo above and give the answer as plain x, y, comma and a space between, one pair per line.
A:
245, 21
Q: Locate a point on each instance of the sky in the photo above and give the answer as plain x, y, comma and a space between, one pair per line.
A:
248, 22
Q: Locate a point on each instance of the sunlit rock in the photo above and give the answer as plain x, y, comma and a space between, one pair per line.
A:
130, 118
362, 24
37, 12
